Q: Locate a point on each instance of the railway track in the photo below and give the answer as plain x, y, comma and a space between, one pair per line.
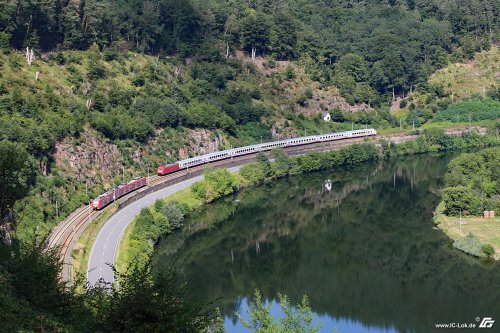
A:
67, 233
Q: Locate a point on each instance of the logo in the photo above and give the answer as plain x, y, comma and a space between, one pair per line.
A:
487, 322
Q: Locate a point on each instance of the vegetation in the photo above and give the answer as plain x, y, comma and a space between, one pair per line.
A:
471, 110
482, 230
472, 183
140, 77
471, 187
371, 49
297, 319
470, 244
144, 77
33, 299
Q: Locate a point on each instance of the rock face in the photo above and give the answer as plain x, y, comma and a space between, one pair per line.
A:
95, 160
201, 141
88, 158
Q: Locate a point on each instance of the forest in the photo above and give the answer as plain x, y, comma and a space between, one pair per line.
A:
366, 48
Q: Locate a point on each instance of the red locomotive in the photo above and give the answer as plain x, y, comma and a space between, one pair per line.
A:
168, 168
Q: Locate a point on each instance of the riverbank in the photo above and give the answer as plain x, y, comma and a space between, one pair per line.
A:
471, 187
485, 230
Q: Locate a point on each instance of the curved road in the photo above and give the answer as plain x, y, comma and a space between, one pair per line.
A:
106, 244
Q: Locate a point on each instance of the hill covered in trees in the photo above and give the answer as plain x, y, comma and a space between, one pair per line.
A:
118, 87
367, 48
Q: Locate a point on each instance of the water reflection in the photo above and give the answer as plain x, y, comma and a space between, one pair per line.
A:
364, 251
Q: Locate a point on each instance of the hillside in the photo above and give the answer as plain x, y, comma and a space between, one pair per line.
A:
116, 88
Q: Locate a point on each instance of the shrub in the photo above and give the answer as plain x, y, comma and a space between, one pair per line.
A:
461, 198
469, 244
174, 214
488, 250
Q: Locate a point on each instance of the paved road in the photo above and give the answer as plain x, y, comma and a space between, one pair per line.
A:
106, 244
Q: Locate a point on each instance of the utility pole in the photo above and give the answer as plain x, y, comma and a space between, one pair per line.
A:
414, 124
352, 126
123, 174
460, 221
400, 128
57, 211
148, 176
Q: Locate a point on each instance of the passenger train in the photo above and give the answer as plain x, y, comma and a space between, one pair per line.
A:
117, 192
224, 154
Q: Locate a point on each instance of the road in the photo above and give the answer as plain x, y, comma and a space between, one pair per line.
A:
106, 244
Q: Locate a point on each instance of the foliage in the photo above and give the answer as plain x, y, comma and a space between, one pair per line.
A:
14, 177
160, 112
472, 182
379, 46
432, 140
488, 250
147, 302
297, 319
471, 110
216, 184
470, 244
33, 298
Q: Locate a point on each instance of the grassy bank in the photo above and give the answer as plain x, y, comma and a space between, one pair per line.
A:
485, 230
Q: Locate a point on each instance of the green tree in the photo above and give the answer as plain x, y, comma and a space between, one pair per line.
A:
160, 112
297, 319
255, 33
15, 172
96, 69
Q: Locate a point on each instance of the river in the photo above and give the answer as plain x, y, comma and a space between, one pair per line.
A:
360, 243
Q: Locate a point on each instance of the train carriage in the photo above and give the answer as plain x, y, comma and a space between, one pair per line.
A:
110, 196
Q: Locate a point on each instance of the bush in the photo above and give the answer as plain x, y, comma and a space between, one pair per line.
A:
121, 125
488, 250
174, 214
470, 244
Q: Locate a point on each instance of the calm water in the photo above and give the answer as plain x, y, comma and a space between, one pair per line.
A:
360, 243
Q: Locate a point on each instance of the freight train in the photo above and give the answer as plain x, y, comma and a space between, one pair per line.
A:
117, 192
